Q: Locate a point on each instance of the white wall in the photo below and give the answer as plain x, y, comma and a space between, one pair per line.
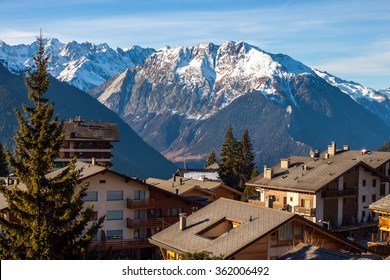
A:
114, 183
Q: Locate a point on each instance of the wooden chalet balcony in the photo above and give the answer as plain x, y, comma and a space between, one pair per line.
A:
151, 222
140, 203
305, 211
120, 244
338, 193
280, 206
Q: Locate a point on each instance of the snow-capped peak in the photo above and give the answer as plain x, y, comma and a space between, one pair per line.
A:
353, 89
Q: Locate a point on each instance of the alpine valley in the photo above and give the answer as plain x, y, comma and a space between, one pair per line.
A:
181, 100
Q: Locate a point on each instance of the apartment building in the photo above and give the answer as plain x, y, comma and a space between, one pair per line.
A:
88, 141
333, 188
133, 209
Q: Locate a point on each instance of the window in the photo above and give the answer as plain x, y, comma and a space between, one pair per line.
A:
373, 183
363, 214
305, 203
114, 234
114, 215
139, 214
102, 181
363, 198
286, 232
139, 194
91, 196
344, 201
154, 213
174, 211
373, 198
382, 190
139, 233
364, 182
115, 195
291, 199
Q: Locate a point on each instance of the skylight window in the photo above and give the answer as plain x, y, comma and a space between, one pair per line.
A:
219, 228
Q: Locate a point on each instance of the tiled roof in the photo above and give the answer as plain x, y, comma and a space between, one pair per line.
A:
311, 252
91, 130
382, 204
186, 185
255, 222
88, 170
310, 174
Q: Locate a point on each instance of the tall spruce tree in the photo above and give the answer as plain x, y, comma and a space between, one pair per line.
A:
3, 163
229, 163
211, 159
246, 157
51, 222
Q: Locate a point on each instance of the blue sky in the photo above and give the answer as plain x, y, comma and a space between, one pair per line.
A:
350, 39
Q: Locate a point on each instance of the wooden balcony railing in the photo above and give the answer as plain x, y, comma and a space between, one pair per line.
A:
120, 244
140, 203
305, 211
280, 206
151, 222
338, 193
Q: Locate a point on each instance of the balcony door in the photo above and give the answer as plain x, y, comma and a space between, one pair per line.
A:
139, 194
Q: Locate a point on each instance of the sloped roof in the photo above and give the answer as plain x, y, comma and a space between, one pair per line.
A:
309, 174
255, 223
382, 204
87, 170
91, 130
305, 251
187, 185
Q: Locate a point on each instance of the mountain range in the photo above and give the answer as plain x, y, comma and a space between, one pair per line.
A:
131, 156
181, 100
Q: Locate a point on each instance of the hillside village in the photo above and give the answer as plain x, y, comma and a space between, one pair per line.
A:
332, 204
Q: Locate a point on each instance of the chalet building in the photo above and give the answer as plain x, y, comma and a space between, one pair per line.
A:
333, 188
197, 190
89, 141
242, 231
381, 244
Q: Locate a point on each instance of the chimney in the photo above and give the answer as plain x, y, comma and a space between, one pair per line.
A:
346, 147
268, 172
285, 163
93, 161
332, 149
181, 181
326, 155
182, 221
314, 154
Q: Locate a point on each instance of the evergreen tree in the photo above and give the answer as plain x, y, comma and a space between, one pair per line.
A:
250, 191
3, 163
51, 224
229, 164
211, 159
246, 157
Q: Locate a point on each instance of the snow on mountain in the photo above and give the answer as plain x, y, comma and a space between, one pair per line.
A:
84, 65
180, 100
378, 102
353, 89
199, 81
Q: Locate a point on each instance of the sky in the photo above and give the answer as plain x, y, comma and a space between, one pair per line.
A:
349, 39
